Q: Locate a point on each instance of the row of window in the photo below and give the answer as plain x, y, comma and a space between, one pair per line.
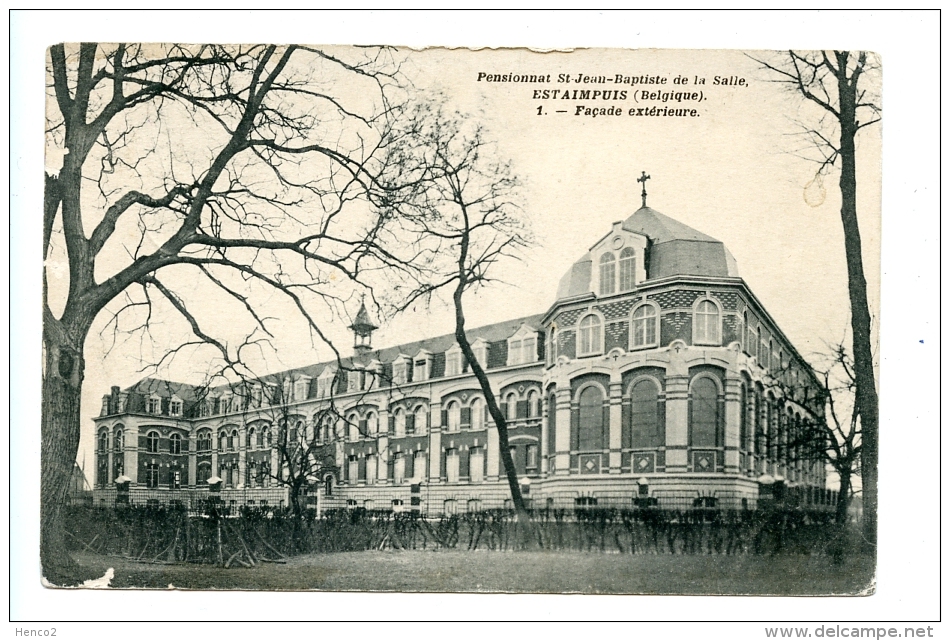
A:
152, 440
375, 468
609, 272
644, 329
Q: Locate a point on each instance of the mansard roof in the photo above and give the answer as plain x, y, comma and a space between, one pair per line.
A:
675, 249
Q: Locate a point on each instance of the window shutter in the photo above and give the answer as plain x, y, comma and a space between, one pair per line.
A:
445, 419
522, 409
410, 466
392, 424
575, 428
466, 416
626, 423
464, 464
605, 426
410, 423
363, 430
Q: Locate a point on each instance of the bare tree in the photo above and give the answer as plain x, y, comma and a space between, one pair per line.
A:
466, 219
844, 87
831, 435
195, 172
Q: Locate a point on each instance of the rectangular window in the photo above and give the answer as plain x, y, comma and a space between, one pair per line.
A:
532, 457
176, 408
514, 353
476, 464
399, 373
419, 466
452, 465
420, 370
529, 350
354, 381
175, 481
453, 363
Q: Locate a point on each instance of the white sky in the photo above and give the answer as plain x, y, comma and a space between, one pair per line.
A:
725, 173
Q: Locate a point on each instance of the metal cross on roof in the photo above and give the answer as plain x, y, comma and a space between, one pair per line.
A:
643, 179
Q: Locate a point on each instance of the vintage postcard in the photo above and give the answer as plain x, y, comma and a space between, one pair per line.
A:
444, 320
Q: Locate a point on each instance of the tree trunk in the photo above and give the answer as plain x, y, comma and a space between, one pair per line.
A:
844, 497
866, 393
62, 391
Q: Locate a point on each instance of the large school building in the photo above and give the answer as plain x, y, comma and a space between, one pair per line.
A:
656, 377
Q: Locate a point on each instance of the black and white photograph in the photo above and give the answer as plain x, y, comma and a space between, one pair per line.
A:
389, 319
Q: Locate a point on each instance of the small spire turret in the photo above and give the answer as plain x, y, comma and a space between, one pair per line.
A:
363, 330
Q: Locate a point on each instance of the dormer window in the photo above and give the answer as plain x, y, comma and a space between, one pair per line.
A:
608, 274
523, 346
453, 361
371, 375
422, 366
175, 406
354, 381
401, 370
480, 348
552, 345
301, 388
154, 405
325, 383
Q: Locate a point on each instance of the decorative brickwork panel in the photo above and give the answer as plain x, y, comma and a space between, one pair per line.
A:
728, 300
676, 298
676, 325
618, 309
497, 354
568, 319
567, 345
616, 336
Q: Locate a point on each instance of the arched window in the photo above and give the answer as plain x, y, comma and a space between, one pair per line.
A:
644, 326
118, 441
534, 406
743, 417
265, 436
628, 269
251, 437
372, 423
151, 442
704, 413
399, 420
511, 405
204, 441
743, 334
222, 440
608, 274
454, 414
234, 440
478, 414
174, 443
591, 420
422, 419
706, 323
552, 345
552, 424
752, 339
353, 422
644, 415
103, 441
589, 336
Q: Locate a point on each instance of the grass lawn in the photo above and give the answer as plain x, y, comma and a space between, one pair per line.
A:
455, 571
